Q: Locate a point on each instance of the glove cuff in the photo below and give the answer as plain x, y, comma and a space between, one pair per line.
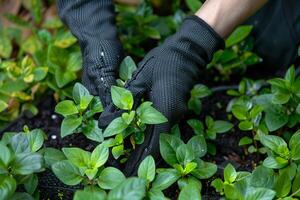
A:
203, 35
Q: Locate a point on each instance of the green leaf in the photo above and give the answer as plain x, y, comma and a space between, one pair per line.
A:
122, 98
200, 91
69, 125
191, 191
90, 195
128, 117
196, 125
240, 112
79, 91
146, 169
273, 142
198, 144
66, 108
99, 155
115, 127
290, 75
63, 77
193, 5
132, 188
230, 173
67, 173
263, 177
218, 185
5, 154
296, 185
149, 115
8, 186
238, 35
27, 163
5, 46
275, 163
165, 179
275, 119
31, 184
204, 169
151, 32
168, 145
283, 185
222, 126
3, 105
35, 139
294, 145
110, 177
127, 67
20, 143
246, 125
259, 193
77, 156
52, 156
185, 154
36, 10
92, 131
64, 39
245, 141
155, 194
40, 73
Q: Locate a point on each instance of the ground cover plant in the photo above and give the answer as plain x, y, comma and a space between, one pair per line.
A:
240, 141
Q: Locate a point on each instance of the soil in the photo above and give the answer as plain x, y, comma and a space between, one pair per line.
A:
226, 144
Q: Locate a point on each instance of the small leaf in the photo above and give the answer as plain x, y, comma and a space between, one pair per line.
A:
238, 35
69, 125
165, 179
168, 145
149, 115
222, 126
67, 172
245, 141
110, 177
127, 67
99, 155
35, 139
230, 173
146, 169
198, 144
191, 191
77, 156
52, 156
122, 98
66, 108
115, 127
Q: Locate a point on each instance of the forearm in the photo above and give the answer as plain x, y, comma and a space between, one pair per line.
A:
224, 15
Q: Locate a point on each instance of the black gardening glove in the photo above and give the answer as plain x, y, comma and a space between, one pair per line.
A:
166, 76
92, 22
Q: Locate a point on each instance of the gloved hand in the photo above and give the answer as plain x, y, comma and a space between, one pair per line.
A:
93, 24
166, 76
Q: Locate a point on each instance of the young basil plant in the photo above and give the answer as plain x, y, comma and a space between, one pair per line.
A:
280, 154
79, 112
185, 160
87, 168
132, 122
198, 92
20, 161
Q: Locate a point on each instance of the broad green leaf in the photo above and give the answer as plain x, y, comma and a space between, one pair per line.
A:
20, 143
31, 184
185, 181
191, 191
222, 126
132, 188
290, 75
115, 127
273, 142
90, 195
196, 125
275, 118
99, 155
168, 145
149, 115
185, 154
263, 177
66, 108
127, 67
151, 32
35, 139
92, 131
5, 46
146, 169
5, 154
67, 173
283, 185
69, 125
198, 144
79, 91
238, 35
63, 77
165, 179
246, 125
128, 117
275, 163
259, 193
40, 73
240, 112
204, 169
8, 186
155, 194
200, 91
27, 163
218, 185
77, 156
230, 173
122, 98
294, 145
52, 156
110, 177
296, 185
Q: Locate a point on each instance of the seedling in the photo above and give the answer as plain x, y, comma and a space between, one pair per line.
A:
20, 161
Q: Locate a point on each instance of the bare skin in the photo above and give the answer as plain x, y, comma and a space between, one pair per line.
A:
224, 15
